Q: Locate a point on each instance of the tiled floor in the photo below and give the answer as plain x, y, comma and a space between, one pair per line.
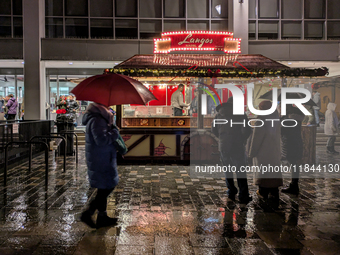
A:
161, 210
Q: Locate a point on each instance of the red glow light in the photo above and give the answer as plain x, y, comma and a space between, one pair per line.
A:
196, 41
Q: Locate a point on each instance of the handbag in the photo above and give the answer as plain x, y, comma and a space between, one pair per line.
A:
120, 145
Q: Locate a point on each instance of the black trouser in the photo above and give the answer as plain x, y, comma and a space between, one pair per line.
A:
296, 174
178, 112
11, 116
100, 201
265, 191
236, 160
331, 141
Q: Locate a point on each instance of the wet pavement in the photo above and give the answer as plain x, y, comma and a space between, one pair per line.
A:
161, 210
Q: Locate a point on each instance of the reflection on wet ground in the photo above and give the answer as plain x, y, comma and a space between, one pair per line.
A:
161, 210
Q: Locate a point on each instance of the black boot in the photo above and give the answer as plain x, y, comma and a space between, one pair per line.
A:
292, 188
334, 151
105, 221
329, 150
86, 217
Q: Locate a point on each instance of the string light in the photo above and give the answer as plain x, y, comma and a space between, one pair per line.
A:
167, 36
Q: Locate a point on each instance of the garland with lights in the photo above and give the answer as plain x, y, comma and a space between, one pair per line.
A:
225, 73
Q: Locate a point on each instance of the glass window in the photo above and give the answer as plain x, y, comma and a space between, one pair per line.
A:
268, 8
174, 8
174, 25
101, 8
198, 25
291, 30
5, 7
76, 28
314, 9
17, 30
333, 30
126, 29
314, 30
101, 28
252, 9
54, 7
268, 30
252, 30
219, 9
150, 28
333, 9
150, 8
5, 27
197, 9
220, 25
54, 28
17, 7
291, 9
126, 8
76, 8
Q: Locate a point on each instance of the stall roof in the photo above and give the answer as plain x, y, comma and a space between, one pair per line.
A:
213, 65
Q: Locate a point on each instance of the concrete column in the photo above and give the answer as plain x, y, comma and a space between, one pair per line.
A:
238, 21
34, 68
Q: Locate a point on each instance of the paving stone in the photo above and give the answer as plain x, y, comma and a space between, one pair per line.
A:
163, 211
172, 245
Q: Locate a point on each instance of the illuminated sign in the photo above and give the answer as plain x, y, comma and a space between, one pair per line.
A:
197, 41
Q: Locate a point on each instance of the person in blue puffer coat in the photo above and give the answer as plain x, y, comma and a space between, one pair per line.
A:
101, 158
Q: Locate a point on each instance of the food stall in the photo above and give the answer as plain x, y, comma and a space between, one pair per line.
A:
153, 133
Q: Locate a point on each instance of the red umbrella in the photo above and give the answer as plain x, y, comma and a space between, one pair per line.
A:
112, 89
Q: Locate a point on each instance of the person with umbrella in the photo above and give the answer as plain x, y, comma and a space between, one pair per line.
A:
102, 136
101, 155
291, 139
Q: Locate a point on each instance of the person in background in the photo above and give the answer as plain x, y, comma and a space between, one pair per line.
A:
22, 109
62, 102
211, 109
12, 107
177, 101
331, 127
2, 107
194, 102
317, 101
72, 107
232, 140
101, 158
265, 149
5, 108
292, 146
72, 104
309, 119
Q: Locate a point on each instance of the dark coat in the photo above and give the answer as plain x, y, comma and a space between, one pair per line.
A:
232, 140
101, 153
291, 139
72, 105
265, 149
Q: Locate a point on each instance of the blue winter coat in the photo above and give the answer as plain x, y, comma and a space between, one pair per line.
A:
101, 154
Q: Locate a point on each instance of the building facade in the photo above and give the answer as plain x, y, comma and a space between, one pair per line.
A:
46, 45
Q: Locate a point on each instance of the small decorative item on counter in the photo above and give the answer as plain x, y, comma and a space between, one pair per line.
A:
144, 122
180, 122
